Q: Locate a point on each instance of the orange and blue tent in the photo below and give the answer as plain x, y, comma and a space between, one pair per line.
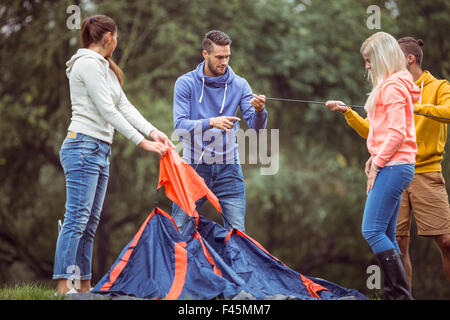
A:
205, 260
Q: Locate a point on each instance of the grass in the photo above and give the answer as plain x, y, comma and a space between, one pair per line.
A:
40, 291
28, 291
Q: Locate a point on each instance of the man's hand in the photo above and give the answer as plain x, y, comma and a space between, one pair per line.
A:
258, 102
223, 122
336, 106
159, 136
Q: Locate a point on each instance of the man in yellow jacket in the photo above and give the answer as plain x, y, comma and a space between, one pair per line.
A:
427, 195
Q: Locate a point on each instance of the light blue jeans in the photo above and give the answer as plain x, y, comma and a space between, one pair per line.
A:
226, 181
382, 206
85, 161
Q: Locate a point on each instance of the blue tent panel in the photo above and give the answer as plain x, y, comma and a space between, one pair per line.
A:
205, 263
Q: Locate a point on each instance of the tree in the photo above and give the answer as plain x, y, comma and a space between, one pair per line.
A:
308, 214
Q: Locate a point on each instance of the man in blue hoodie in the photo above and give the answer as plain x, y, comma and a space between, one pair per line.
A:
205, 104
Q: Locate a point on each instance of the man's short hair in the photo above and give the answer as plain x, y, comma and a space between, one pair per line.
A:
217, 37
412, 46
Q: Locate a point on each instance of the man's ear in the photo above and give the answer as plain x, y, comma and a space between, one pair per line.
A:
411, 59
205, 54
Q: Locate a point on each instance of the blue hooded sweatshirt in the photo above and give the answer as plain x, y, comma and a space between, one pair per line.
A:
197, 98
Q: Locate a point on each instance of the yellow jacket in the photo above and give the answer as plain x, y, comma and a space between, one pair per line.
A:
431, 133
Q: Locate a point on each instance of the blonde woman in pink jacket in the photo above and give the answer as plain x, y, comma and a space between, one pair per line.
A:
392, 145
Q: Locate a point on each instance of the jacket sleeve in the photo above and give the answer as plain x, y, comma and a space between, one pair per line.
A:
133, 116
394, 103
94, 74
182, 110
360, 125
442, 109
255, 120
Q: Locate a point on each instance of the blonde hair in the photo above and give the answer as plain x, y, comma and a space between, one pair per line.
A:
386, 57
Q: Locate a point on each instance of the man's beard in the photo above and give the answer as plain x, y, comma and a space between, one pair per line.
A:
215, 71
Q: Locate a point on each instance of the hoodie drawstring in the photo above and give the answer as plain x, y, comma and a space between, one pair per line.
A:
421, 89
203, 87
224, 94
224, 97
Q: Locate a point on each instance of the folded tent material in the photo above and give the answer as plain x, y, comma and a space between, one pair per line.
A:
205, 261
183, 185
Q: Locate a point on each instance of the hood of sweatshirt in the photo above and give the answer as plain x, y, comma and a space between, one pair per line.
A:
222, 81
83, 53
426, 78
406, 79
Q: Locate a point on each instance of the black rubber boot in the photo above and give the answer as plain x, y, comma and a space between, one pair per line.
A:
396, 286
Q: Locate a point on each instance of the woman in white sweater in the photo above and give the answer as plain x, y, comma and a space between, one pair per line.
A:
99, 106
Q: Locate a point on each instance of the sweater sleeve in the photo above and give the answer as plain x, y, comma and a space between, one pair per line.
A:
94, 76
394, 105
360, 125
255, 120
133, 116
442, 109
182, 110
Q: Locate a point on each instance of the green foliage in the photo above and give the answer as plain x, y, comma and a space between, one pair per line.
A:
308, 214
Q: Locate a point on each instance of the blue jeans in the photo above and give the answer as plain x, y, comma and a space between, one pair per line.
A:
226, 181
382, 205
85, 161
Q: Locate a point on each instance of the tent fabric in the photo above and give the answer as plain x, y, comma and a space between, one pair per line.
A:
264, 274
163, 266
205, 260
183, 185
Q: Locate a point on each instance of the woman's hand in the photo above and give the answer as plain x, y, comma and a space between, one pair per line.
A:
151, 146
368, 165
159, 136
336, 106
371, 176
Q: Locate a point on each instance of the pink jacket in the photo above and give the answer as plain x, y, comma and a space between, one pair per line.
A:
392, 135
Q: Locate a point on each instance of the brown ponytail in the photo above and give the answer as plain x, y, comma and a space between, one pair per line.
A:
92, 31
